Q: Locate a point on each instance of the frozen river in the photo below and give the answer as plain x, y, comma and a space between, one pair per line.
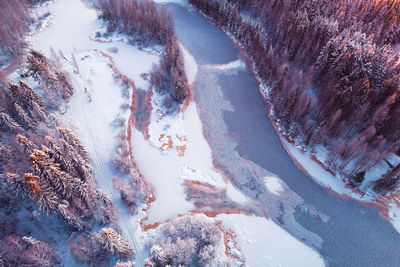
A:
246, 146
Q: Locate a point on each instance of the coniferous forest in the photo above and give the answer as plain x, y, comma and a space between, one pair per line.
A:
332, 68
158, 133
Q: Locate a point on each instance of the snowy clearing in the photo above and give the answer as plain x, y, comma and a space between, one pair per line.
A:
98, 97
71, 35
176, 149
96, 88
265, 244
166, 169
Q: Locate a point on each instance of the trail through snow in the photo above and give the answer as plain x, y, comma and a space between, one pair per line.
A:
93, 108
93, 122
105, 181
97, 103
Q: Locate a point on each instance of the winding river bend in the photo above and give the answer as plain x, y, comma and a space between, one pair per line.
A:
246, 147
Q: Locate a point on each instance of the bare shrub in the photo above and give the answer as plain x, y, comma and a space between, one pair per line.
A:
121, 160
126, 190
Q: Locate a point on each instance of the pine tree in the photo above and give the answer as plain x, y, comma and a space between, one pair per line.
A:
24, 117
9, 123
113, 243
15, 184
25, 144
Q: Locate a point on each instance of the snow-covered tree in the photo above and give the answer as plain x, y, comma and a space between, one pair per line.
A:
191, 239
27, 251
113, 243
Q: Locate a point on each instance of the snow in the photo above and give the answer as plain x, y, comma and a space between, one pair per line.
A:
176, 149
374, 173
273, 185
393, 159
318, 173
335, 182
161, 171
98, 97
93, 108
394, 215
237, 64
191, 67
167, 169
266, 244
71, 35
188, 173
96, 89
235, 194
166, 132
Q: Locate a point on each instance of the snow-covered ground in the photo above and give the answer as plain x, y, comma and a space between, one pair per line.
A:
97, 102
333, 182
316, 171
71, 29
176, 150
92, 111
191, 67
328, 180
394, 215
265, 244
166, 169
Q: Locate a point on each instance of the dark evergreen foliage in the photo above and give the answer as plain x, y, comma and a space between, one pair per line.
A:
332, 69
42, 162
147, 24
14, 22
